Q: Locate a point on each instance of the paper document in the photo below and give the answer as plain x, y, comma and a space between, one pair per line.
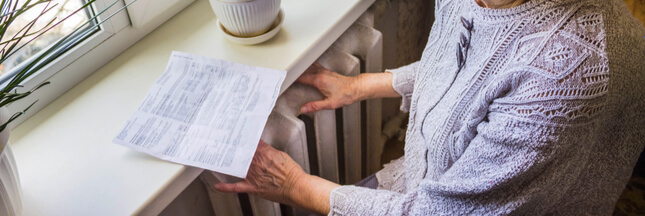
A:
204, 112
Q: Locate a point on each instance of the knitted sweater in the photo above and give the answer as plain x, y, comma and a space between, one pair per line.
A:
538, 109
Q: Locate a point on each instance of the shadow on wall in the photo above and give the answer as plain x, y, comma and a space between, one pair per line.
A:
405, 25
637, 7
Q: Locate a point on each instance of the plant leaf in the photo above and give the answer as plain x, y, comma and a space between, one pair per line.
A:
15, 116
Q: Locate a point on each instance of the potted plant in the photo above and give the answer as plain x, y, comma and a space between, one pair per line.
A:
12, 42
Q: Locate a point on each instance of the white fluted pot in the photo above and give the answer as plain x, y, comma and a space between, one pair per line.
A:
10, 191
246, 18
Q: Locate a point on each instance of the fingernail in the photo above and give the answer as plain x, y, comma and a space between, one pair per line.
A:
304, 110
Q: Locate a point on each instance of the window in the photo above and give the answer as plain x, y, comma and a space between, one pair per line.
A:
62, 11
90, 52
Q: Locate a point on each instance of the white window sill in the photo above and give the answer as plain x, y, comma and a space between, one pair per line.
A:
67, 162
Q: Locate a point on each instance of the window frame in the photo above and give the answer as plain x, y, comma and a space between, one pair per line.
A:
115, 35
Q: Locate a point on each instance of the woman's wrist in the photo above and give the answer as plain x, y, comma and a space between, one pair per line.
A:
374, 85
312, 193
358, 87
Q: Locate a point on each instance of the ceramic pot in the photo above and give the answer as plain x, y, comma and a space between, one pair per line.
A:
10, 192
246, 18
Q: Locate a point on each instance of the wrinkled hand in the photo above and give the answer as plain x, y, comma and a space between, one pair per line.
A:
272, 176
338, 90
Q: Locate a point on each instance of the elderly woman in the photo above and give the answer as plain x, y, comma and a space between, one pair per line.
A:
540, 111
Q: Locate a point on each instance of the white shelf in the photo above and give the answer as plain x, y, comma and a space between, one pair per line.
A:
67, 162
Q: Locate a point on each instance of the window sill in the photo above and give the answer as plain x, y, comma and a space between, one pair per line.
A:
67, 162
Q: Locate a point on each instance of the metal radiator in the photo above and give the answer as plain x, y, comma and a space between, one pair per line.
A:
342, 145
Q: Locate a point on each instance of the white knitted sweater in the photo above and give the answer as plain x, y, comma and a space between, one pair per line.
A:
546, 116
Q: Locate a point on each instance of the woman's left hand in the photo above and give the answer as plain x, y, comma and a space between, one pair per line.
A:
272, 176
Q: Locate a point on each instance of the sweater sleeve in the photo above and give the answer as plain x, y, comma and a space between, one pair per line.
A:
403, 83
510, 166
527, 149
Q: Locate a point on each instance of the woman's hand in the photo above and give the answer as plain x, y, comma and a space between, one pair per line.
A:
337, 90
273, 175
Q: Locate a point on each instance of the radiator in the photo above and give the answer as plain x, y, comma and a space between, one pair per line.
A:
366, 43
342, 145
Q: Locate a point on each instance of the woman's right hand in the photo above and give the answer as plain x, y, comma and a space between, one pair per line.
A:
337, 90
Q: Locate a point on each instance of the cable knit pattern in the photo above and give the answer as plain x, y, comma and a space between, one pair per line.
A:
544, 117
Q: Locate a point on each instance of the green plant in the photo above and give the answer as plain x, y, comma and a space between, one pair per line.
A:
11, 10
